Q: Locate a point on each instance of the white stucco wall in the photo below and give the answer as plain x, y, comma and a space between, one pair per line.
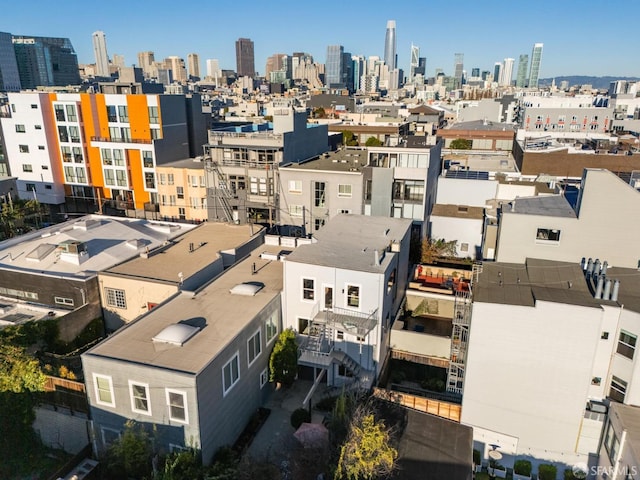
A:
474, 193
465, 230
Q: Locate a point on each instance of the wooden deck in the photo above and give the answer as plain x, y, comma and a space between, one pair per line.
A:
447, 410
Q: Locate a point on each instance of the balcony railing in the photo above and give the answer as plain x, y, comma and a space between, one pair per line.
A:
121, 140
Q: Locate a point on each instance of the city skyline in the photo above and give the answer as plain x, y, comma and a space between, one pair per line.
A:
482, 34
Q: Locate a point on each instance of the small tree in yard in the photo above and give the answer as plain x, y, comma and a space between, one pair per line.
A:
283, 362
373, 142
131, 454
367, 452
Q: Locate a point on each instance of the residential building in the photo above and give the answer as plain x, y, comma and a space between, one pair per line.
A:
390, 45
557, 228
100, 52
185, 370
135, 286
194, 65
242, 164
342, 293
9, 74
618, 455
462, 224
584, 119
536, 60
45, 61
56, 267
484, 135
521, 75
182, 191
245, 64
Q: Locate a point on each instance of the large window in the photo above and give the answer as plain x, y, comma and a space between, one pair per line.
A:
548, 235
123, 113
296, 210
147, 159
271, 326
611, 444
20, 128
308, 291
104, 390
618, 389
180, 192
627, 344
319, 194
230, 373
177, 403
112, 116
254, 347
295, 186
353, 296
153, 115
71, 113
140, 397
115, 297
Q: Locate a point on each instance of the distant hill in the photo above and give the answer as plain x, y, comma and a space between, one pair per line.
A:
596, 82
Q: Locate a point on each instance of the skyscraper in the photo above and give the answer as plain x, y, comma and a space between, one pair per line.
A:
145, 62
193, 60
536, 59
9, 75
100, 52
497, 72
176, 65
45, 61
422, 66
245, 64
213, 69
415, 61
390, 45
521, 76
507, 72
458, 68
333, 75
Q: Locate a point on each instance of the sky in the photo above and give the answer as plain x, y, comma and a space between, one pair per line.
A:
589, 37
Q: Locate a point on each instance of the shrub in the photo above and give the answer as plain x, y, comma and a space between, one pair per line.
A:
547, 471
283, 362
300, 416
326, 404
522, 467
569, 475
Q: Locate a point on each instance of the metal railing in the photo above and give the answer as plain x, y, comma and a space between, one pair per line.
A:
121, 140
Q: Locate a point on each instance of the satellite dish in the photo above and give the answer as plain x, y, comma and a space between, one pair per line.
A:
495, 455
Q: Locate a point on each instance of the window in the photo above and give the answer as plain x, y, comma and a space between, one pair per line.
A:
172, 200
104, 390
180, 192
31, 187
109, 436
627, 344
153, 115
149, 180
20, 128
74, 134
63, 134
611, 443
182, 213
271, 327
318, 195
162, 178
308, 292
192, 180
40, 147
111, 113
170, 179
295, 186
23, 148
618, 389
139, 397
27, 167
71, 113
77, 155
264, 377
317, 223
155, 133
230, 373
68, 302
109, 177
343, 211
296, 210
392, 280
604, 336
121, 178
177, 403
596, 381
38, 127
33, 105
353, 296
118, 158
123, 114
115, 297
344, 190
254, 347
548, 235
59, 109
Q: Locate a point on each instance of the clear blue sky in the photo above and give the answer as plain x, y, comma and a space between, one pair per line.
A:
591, 37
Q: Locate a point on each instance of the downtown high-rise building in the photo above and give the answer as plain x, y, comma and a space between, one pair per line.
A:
177, 67
100, 52
415, 61
390, 45
45, 61
9, 74
213, 68
497, 72
146, 62
475, 72
458, 69
334, 69
422, 66
245, 63
536, 59
193, 62
507, 72
523, 66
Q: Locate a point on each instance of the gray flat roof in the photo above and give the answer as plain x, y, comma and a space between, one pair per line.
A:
629, 294
457, 211
109, 241
546, 205
190, 163
482, 125
208, 240
222, 314
523, 284
349, 242
343, 160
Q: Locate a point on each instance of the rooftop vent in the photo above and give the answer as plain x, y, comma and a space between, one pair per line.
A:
176, 334
86, 224
248, 289
135, 243
40, 252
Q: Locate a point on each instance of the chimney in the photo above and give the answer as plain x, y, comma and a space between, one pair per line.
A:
616, 290
598, 293
607, 290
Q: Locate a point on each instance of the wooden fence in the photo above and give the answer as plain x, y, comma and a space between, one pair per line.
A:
447, 410
61, 392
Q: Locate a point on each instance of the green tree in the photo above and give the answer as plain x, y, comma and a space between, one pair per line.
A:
319, 113
546, 471
19, 372
367, 453
349, 139
373, 142
131, 455
433, 249
283, 362
181, 465
460, 144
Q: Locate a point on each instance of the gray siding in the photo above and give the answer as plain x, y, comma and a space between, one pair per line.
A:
381, 192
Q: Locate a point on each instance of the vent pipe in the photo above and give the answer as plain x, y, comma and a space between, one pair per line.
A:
598, 293
607, 290
583, 264
605, 265
596, 267
590, 267
616, 290
376, 257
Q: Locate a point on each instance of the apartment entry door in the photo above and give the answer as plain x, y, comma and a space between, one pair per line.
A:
328, 296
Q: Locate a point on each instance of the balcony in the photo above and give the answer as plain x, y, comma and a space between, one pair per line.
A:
151, 207
121, 140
